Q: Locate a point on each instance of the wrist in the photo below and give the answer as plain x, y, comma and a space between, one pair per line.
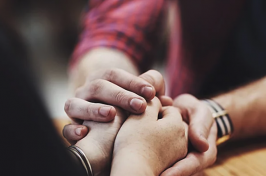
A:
81, 158
94, 157
129, 162
222, 120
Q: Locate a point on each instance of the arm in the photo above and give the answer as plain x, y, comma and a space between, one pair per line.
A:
114, 38
97, 59
247, 108
123, 28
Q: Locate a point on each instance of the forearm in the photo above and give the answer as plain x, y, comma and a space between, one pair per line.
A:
247, 108
99, 58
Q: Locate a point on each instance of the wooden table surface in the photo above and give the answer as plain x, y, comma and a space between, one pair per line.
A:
243, 158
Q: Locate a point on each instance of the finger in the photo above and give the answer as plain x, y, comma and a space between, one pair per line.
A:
152, 111
166, 101
155, 78
127, 81
171, 112
195, 162
200, 123
73, 133
199, 118
80, 109
109, 93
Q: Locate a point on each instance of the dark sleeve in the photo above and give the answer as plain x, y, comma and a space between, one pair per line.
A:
30, 145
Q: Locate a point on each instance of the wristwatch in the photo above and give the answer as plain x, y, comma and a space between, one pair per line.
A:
222, 119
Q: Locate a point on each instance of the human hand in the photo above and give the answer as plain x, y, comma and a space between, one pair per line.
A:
112, 87
195, 162
146, 144
201, 127
99, 142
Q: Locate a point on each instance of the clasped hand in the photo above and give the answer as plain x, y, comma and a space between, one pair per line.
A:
144, 145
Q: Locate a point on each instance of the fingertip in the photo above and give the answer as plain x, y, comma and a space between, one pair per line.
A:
81, 131
84, 131
166, 101
73, 133
138, 105
112, 114
107, 114
143, 107
156, 102
148, 92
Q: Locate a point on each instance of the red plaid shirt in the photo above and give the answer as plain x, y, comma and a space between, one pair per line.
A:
197, 38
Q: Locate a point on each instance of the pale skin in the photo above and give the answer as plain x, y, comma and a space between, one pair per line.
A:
139, 133
146, 145
192, 110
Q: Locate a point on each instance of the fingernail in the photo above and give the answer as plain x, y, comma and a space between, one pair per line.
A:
147, 91
78, 131
104, 111
136, 104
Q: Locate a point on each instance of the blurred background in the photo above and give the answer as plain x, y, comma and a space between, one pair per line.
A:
49, 31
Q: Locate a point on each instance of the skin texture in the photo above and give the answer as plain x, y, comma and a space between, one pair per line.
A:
241, 104
83, 74
197, 114
146, 145
98, 83
98, 143
246, 107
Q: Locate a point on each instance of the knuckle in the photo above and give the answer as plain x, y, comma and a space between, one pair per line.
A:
95, 87
132, 84
110, 74
89, 111
120, 96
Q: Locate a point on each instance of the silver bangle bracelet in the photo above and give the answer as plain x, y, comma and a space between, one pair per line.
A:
82, 157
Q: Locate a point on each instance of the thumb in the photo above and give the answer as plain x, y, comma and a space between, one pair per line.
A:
199, 129
199, 118
73, 133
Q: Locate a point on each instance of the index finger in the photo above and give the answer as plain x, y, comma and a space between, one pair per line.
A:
127, 81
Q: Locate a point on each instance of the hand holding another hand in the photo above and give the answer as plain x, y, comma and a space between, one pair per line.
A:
201, 127
146, 145
112, 87
98, 143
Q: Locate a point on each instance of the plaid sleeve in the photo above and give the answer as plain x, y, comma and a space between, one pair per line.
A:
126, 25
